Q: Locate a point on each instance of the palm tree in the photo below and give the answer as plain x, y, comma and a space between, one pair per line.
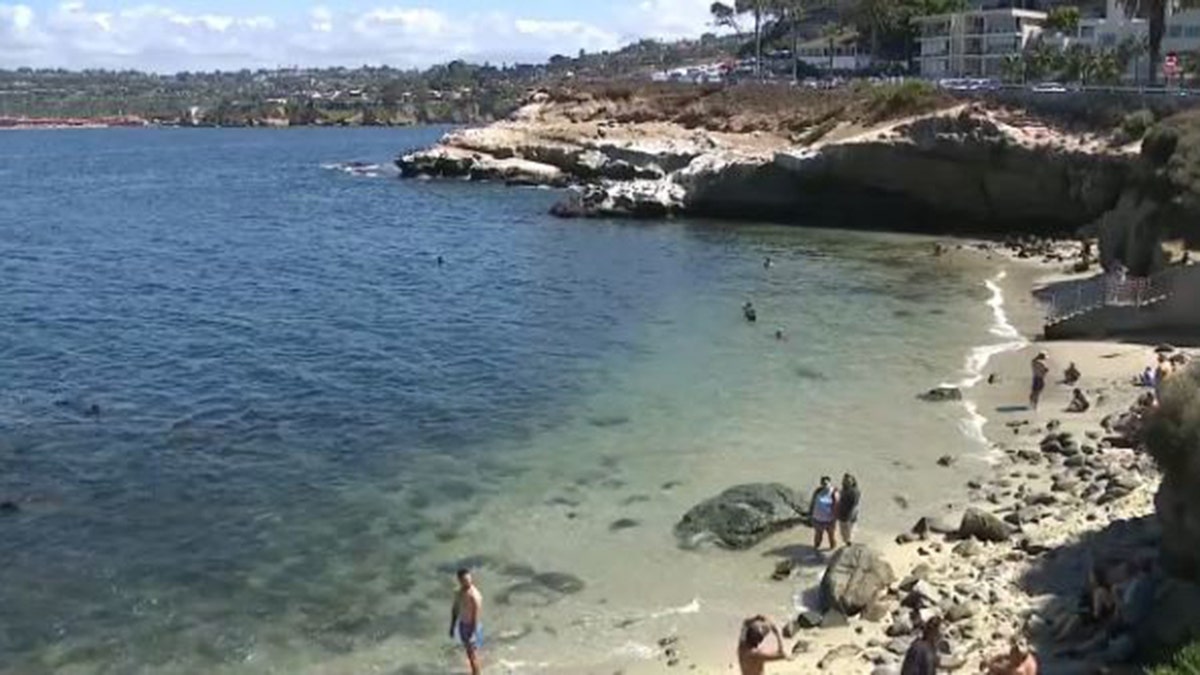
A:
830, 32
790, 12
1013, 68
756, 6
1157, 19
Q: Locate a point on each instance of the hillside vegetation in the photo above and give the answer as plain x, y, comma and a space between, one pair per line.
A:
746, 108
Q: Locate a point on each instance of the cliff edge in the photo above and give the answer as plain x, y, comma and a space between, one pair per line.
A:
895, 157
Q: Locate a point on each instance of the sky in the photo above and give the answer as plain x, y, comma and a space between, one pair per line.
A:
173, 35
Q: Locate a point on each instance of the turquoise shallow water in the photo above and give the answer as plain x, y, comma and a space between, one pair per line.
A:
251, 422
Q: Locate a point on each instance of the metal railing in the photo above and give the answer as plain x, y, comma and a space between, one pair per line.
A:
1108, 290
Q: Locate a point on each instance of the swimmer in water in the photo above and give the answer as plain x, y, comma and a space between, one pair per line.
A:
749, 312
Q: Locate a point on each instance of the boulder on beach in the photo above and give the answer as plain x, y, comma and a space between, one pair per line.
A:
983, 526
856, 575
741, 516
939, 394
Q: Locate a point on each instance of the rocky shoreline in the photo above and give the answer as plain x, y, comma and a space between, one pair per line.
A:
965, 168
1062, 494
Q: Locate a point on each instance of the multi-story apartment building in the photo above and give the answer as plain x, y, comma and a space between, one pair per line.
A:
976, 42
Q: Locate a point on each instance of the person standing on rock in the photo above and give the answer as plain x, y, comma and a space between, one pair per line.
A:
922, 655
1040, 370
847, 508
753, 652
465, 618
823, 510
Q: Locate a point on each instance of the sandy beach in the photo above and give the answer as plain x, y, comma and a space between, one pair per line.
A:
998, 590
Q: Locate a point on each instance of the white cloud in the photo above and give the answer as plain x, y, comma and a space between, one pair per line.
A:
158, 36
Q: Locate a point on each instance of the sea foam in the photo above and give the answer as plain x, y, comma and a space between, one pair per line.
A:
979, 357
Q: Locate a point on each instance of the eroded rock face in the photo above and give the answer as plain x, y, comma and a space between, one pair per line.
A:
741, 516
965, 162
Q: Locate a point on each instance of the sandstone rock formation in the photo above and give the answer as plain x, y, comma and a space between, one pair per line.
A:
983, 168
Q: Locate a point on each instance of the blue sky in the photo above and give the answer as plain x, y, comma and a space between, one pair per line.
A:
171, 35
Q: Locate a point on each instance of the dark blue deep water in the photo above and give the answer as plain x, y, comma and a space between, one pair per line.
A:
238, 394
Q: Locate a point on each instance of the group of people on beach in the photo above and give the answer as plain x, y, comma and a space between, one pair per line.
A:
923, 656
832, 509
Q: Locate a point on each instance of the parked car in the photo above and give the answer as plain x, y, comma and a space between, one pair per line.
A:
1049, 88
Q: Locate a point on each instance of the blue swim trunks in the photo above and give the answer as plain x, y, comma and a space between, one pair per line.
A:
471, 634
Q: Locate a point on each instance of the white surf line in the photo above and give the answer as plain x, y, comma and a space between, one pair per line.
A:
979, 357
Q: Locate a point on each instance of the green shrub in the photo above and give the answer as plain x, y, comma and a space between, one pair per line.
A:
1160, 144
1136, 124
1172, 433
890, 101
1186, 662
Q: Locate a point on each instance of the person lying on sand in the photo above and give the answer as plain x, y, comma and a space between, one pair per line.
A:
1019, 660
753, 651
1079, 403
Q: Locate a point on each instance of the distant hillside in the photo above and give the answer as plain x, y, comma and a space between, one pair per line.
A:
456, 92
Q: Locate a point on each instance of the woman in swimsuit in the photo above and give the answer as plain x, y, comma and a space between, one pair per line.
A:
824, 511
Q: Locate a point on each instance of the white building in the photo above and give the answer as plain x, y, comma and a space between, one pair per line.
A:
974, 43
846, 55
1182, 34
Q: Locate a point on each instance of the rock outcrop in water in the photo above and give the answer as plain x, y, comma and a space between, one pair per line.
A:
741, 516
956, 169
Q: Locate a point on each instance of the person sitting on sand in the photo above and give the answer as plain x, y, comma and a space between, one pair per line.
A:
749, 312
1040, 369
847, 507
1097, 606
1071, 375
1079, 402
1019, 660
823, 508
922, 655
752, 650
1146, 379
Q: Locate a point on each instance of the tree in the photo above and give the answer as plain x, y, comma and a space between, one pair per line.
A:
1012, 68
1064, 19
1157, 20
830, 32
790, 13
724, 16
876, 18
758, 7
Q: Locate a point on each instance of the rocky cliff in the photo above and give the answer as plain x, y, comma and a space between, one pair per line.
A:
958, 168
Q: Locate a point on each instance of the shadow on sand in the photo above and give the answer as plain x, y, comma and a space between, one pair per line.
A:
1062, 574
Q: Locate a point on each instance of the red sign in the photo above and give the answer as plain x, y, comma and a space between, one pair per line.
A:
1171, 64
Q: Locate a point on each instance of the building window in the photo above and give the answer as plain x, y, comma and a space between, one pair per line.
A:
1108, 39
1191, 31
1174, 31
1087, 32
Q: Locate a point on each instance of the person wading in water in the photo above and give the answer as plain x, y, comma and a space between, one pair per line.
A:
464, 618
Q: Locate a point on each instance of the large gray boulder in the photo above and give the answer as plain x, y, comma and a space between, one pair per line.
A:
983, 526
741, 516
855, 576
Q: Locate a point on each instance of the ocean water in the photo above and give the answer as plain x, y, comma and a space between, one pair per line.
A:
252, 425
